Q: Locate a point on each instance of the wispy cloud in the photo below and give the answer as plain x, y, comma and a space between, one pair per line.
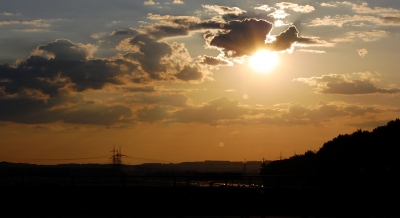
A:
178, 2
362, 52
311, 51
149, 2
365, 15
347, 84
295, 7
38, 23
224, 9
366, 36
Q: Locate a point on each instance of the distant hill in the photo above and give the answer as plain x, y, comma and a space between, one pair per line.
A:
359, 153
252, 167
20, 169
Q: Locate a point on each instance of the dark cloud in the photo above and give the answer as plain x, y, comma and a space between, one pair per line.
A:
29, 110
160, 31
213, 61
63, 49
286, 39
40, 89
161, 61
20, 79
152, 114
83, 73
51, 75
189, 73
241, 37
172, 26
140, 89
150, 54
176, 100
223, 111
322, 113
361, 111
391, 19
68, 109
341, 84
355, 87
128, 32
216, 110
97, 114
300, 115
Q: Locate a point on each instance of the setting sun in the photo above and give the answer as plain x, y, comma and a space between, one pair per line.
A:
263, 61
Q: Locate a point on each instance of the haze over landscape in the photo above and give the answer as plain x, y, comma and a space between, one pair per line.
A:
183, 80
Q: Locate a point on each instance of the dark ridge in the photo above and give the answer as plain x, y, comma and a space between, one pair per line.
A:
359, 153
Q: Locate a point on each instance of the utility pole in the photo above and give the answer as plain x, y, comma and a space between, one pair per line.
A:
244, 167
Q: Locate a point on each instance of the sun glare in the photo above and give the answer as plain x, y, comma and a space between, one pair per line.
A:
263, 61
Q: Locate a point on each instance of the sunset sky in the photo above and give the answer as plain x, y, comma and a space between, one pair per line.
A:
188, 80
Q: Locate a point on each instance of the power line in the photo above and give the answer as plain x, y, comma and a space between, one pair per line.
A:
148, 159
53, 159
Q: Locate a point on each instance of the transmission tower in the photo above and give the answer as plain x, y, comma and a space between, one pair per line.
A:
280, 157
116, 157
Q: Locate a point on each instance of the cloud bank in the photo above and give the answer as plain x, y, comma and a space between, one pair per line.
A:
345, 85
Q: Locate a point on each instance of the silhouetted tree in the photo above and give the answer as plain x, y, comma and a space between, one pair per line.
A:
359, 153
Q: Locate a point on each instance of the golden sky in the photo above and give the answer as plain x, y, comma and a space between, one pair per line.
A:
184, 80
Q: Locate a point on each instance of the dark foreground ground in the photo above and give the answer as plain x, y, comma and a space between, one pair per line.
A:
119, 201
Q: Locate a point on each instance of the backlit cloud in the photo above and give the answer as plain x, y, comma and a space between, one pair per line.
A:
224, 9
178, 2
286, 39
311, 51
279, 14
160, 60
63, 49
241, 37
149, 54
213, 61
328, 5
279, 9
61, 66
295, 7
264, 8
172, 26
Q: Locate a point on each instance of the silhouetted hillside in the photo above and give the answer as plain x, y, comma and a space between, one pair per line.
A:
359, 153
208, 166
